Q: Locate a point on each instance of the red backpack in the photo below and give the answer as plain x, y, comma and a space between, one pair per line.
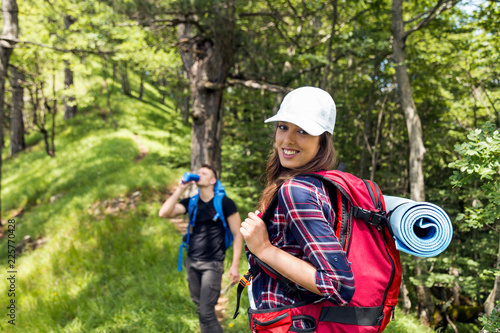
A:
362, 229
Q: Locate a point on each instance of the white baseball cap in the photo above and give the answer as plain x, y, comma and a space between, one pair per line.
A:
310, 108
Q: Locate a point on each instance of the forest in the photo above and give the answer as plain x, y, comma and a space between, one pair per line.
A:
104, 104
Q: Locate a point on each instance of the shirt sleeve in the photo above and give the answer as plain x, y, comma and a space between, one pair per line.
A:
185, 203
308, 214
228, 207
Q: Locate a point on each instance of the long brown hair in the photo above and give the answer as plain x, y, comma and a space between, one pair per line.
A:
325, 159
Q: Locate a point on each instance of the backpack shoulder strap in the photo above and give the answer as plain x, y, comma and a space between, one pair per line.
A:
375, 194
192, 210
350, 186
220, 193
219, 213
269, 212
342, 205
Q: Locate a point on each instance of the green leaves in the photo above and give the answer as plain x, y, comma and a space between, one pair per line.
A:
480, 156
491, 323
479, 164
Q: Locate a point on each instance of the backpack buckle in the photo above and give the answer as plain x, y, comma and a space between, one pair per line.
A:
246, 279
378, 219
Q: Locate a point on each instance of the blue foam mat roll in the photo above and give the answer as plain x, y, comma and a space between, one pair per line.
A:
420, 228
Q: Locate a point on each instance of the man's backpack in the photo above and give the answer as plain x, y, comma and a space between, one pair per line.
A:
361, 227
219, 193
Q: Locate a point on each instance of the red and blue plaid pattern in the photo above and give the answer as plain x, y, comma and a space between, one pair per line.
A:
302, 227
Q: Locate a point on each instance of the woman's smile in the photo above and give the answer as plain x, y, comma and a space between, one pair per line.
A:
289, 153
295, 146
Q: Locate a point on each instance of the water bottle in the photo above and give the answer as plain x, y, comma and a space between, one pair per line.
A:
188, 176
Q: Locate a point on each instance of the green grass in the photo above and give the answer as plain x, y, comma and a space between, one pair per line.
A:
101, 276
102, 270
405, 324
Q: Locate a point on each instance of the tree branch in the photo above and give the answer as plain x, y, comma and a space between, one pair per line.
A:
418, 16
329, 36
438, 9
240, 15
292, 7
4, 39
258, 85
278, 18
211, 85
307, 70
170, 23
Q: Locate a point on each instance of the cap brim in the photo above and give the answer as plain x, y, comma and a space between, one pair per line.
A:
306, 124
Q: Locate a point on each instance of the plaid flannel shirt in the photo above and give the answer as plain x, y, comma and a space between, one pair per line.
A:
301, 227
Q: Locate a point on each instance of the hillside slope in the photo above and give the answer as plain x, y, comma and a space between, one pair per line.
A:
92, 254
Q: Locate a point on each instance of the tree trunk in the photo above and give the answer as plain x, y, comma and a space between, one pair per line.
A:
162, 88
494, 296
207, 60
46, 110
378, 134
367, 130
53, 114
141, 87
109, 91
413, 123
17, 143
125, 81
70, 106
455, 289
324, 81
206, 129
425, 303
10, 32
405, 301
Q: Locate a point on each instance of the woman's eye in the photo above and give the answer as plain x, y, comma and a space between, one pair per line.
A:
303, 132
282, 127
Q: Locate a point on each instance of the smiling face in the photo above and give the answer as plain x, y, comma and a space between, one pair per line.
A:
295, 147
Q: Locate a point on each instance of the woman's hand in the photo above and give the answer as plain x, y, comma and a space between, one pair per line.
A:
254, 232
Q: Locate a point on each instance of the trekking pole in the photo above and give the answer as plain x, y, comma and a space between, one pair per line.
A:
227, 288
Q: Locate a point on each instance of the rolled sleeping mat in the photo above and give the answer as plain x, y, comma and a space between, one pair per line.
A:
421, 229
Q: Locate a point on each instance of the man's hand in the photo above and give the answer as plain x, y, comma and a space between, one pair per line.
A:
170, 207
234, 274
183, 186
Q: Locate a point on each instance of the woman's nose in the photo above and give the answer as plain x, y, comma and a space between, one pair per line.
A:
290, 137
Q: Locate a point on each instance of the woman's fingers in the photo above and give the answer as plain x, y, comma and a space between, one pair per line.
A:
254, 215
254, 231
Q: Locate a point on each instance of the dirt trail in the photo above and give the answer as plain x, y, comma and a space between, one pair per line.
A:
144, 151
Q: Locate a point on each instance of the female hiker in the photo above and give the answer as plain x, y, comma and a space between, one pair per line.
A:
299, 244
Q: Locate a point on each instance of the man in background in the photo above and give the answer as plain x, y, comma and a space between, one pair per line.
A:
206, 249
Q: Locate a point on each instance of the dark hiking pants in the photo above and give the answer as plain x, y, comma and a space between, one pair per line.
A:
204, 279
